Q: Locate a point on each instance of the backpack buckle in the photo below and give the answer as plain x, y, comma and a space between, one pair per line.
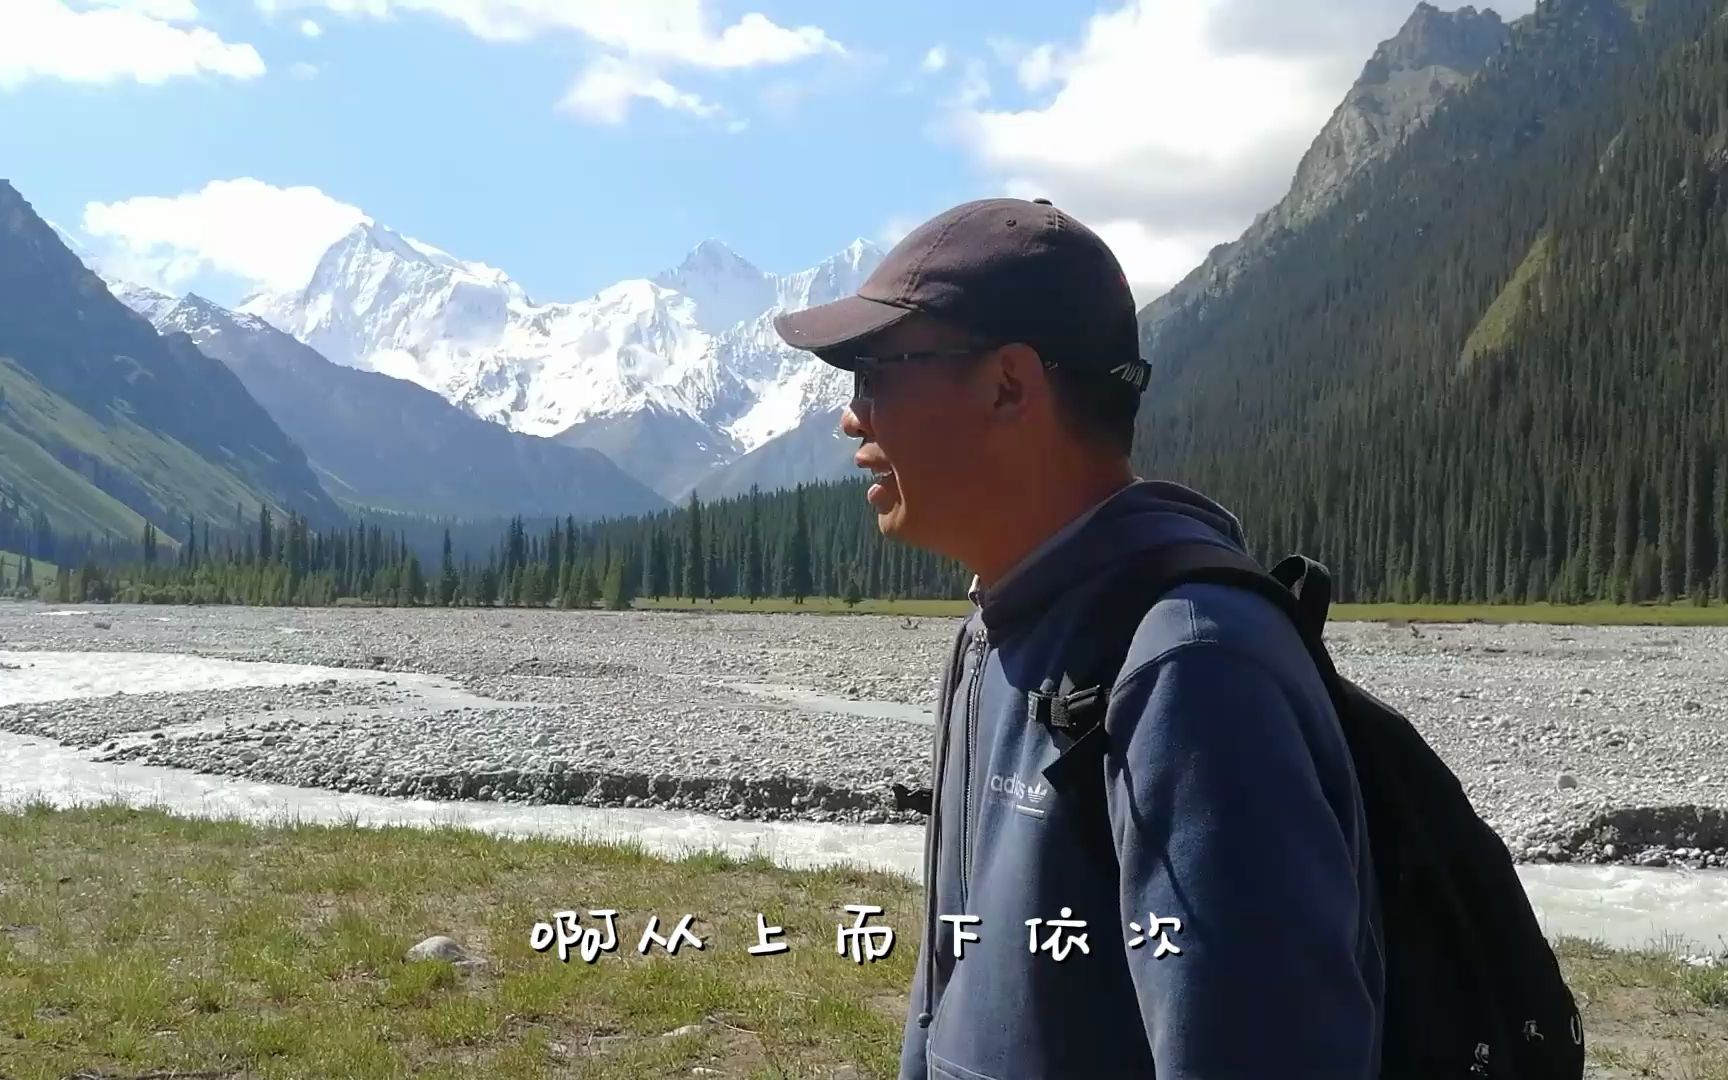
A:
1041, 708
1060, 712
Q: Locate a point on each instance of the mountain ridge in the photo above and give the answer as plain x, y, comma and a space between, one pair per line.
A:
694, 341
107, 424
1490, 372
380, 443
1408, 76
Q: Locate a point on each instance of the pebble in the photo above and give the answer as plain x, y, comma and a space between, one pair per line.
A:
439, 948
630, 710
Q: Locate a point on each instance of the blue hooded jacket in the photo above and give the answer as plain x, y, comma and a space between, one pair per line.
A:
1232, 807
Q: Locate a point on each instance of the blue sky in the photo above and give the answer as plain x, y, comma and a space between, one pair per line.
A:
573, 143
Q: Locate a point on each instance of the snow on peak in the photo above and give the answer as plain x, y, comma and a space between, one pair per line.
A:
377, 296
726, 289
146, 301
72, 244
696, 339
202, 318
832, 278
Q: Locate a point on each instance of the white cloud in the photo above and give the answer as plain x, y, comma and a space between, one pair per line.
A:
303, 70
1039, 68
1035, 66
604, 92
269, 236
1173, 122
310, 28
679, 31
896, 229
974, 87
936, 59
116, 40
751, 41
165, 10
643, 41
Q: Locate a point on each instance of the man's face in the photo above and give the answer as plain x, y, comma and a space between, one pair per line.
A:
923, 428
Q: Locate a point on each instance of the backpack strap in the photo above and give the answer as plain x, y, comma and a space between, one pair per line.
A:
1074, 707
1075, 704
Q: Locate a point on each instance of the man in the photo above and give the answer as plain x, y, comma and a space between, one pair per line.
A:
997, 378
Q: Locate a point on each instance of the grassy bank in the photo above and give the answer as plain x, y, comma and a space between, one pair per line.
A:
812, 605
134, 943
1684, 614
12, 564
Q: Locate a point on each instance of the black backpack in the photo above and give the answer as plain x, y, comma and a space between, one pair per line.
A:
1473, 989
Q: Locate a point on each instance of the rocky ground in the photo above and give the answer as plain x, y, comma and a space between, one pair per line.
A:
1577, 744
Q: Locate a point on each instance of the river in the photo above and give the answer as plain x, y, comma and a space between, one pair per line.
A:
1681, 909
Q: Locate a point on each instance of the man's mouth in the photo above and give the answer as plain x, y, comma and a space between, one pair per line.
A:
885, 489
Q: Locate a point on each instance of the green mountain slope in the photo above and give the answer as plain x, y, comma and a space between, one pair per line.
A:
104, 424
1493, 369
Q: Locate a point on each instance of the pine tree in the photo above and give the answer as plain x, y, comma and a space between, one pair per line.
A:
753, 548
1625, 535
264, 533
695, 553
588, 592
798, 552
1671, 546
1700, 544
619, 594
415, 586
448, 582
1719, 520
659, 579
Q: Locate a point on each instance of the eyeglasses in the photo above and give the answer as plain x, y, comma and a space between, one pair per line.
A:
865, 369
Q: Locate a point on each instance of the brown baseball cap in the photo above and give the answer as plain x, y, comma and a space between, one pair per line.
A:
1010, 270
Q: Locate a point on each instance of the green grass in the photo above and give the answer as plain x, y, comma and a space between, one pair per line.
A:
1495, 327
1681, 614
1646, 1015
813, 605
167, 471
11, 563
133, 942
71, 502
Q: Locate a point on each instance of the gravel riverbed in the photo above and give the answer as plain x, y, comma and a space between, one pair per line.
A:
1576, 744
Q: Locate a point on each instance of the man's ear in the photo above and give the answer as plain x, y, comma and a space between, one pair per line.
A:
1014, 375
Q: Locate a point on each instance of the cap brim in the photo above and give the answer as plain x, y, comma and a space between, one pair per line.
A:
828, 328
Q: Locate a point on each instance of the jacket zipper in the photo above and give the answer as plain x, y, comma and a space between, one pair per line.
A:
933, 837
973, 694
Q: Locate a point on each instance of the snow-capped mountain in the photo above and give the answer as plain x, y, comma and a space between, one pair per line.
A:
144, 300
691, 351
382, 443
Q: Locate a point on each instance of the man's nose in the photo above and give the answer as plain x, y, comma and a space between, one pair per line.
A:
850, 423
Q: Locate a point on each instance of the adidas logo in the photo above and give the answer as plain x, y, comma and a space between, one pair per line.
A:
1137, 374
1017, 788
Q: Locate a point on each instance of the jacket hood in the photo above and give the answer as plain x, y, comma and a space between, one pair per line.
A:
1144, 515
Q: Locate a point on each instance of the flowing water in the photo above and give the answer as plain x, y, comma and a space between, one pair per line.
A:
1632, 906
